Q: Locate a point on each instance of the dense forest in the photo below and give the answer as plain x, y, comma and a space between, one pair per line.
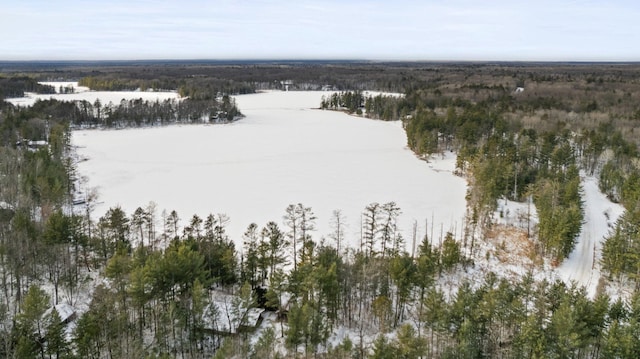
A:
156, 285
16, 86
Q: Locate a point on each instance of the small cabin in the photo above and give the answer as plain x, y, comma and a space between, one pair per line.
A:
66, 312
225, 315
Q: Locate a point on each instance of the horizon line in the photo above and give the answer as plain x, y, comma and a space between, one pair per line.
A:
309, 60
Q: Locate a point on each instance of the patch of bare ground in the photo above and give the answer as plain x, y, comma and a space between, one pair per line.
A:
511, 245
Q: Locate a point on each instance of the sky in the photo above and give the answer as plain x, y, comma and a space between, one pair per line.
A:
469, 30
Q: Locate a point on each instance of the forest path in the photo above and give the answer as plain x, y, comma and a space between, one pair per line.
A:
600, 214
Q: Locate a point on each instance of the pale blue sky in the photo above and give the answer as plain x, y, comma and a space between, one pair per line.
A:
545, 30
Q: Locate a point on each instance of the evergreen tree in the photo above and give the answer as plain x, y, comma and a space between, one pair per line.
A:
402, 270
57, 346
301, 221
113, 230
251, 255
266, 345
450, 252
389, 236
30, 321
370, 228
277, 245
410, 345
275, 293
137, 222
382, 349
338, 223
298, 318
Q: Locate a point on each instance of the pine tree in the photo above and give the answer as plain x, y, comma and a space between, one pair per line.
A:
265, 346
172, 224
389, 235
338, 223
118, 269
87, 336
227, 349
57, 345
199, 302
402, 270
301, 221
138, 293
292, 220
370, 228
117, 226
342, 351
137, 222
242, 304
327, 273
251, 255
277, 245
450, 252
26, 348
277, 288
297, 320
382, 349
435, 316
30, 321
409, 344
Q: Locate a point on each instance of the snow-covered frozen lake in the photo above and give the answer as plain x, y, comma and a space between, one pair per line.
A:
283, 152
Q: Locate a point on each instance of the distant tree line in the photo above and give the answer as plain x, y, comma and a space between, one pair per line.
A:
135, 113
382, 107
195, 88
126, 113
17, 86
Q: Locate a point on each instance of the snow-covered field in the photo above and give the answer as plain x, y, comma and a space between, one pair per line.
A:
83, 93
283, 152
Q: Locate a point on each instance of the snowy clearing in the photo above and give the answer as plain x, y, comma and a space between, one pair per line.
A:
284, 152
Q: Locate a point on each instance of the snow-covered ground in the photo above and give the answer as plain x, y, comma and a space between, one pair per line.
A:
600, 214
583, 264
508, 248
83, 93
521, 215
284, 152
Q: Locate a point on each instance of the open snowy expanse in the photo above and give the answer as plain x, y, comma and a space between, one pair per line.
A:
83, 93
283, 152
